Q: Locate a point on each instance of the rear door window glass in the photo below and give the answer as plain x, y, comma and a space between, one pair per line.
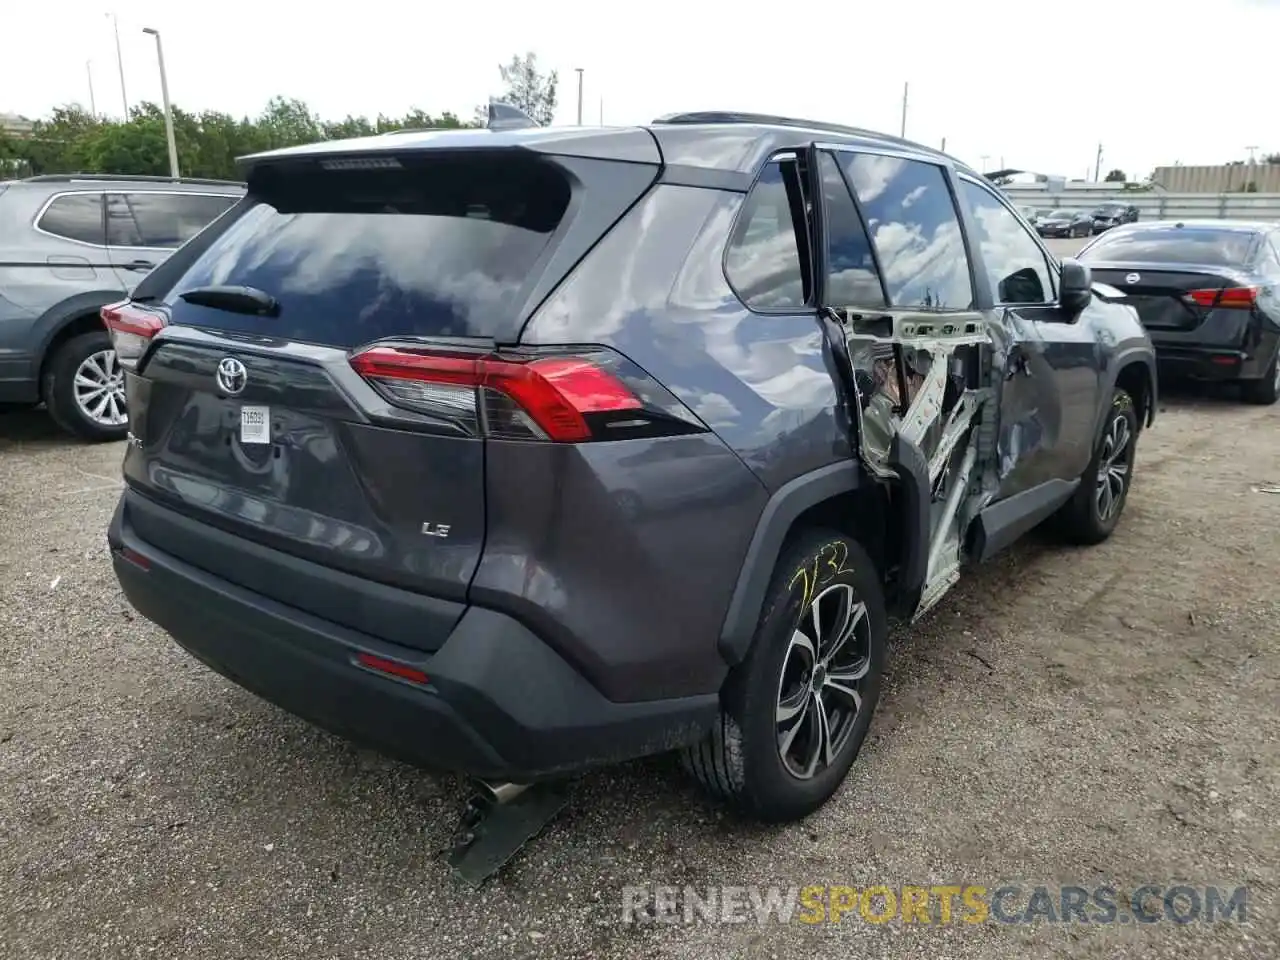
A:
442, 249
75, 216
852, 279
916, 230
160, 220
763, 261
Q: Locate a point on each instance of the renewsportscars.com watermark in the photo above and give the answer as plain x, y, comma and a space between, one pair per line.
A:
935, 904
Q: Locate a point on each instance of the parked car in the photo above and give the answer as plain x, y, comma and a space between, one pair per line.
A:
392, 416
68, 246
1064, 223
1208, 293
1113, 214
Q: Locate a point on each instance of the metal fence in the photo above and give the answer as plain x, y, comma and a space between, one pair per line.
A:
1154, 204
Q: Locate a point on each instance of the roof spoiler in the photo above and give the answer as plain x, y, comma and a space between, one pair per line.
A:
504, 116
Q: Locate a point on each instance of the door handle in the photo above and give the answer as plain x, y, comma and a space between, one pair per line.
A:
139, 265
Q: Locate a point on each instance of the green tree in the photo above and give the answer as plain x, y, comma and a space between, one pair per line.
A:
70, 140
1115, 176
526, 87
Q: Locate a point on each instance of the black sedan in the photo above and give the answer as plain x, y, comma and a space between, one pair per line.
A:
1110, 215
1208, 293
1065, 223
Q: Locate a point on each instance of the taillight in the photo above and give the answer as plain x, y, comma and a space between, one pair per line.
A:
1240, 298
563, 398
131, 328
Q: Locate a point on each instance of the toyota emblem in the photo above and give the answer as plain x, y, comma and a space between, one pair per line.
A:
1133, 278
232, 376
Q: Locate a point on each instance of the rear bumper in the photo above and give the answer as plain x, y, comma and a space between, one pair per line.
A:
499, 704
1216, 362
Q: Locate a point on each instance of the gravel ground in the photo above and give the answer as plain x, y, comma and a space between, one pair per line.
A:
1087, 717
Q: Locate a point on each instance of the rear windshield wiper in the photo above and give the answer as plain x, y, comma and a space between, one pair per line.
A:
248, 300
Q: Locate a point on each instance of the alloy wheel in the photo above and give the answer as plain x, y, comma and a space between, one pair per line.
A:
99, 389
1113, 467
824, 673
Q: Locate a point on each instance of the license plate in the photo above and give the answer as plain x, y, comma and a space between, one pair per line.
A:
255, 424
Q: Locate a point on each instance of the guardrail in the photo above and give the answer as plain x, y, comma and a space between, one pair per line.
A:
1154, 204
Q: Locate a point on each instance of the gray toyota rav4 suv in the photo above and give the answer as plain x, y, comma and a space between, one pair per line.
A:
68, 246
517, 451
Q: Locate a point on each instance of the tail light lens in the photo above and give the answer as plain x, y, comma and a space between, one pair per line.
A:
131, 327
561, 398
1241, 298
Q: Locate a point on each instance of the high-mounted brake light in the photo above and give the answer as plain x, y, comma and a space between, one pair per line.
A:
1241, 298
131, 328
543, 398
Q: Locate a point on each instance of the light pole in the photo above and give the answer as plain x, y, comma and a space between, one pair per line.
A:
579, 69
168, 111
124, 97
93, 106
903, 131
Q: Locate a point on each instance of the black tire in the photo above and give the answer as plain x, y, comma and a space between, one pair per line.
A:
1081, 519
741, 761
58, 389
1266, 389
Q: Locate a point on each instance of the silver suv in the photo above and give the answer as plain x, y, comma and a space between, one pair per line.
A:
69, 245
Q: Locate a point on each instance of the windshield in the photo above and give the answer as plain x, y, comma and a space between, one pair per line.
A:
1043, 213
1061, 215
1200, 245
353, 256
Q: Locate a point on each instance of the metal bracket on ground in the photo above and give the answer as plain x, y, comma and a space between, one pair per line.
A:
498, 822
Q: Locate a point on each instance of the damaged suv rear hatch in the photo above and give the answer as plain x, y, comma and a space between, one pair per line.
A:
279, 440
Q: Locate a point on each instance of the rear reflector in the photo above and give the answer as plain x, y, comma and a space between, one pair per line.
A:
1242, 298
544, 398
131, 328
392, 668
134, 557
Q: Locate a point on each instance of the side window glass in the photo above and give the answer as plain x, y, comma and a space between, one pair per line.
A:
77, 216
852, 280
1016, 268
763, 261
168, 220
1271, 257
122, 228
913, 223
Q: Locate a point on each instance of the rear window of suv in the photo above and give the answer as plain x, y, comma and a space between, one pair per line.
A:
438, 249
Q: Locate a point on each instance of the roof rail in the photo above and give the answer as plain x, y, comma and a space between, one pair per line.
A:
766, 119
126, 178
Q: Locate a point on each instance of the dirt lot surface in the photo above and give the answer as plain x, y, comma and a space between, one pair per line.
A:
1094, 717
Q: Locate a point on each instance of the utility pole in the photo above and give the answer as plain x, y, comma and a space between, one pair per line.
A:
579, 69
602, 111
1251, 150
944, 144
1097, 165
124, 97
903, 131
984, 158
93, 106
168, 111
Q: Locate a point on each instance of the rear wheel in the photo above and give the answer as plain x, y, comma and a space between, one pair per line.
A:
1091, 515
796, 711
84, 388
1266, 389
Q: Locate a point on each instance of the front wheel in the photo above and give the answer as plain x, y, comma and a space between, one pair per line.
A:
84, 388
795, 713
1092, 513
